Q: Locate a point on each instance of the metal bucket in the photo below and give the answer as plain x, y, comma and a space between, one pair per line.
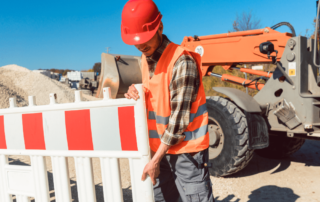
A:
118, 72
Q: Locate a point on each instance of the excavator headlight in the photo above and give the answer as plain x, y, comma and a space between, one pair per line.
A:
266, 48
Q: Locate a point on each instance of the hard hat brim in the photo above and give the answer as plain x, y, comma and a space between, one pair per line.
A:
138, 38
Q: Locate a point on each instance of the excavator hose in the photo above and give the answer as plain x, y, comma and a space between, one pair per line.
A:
287, 24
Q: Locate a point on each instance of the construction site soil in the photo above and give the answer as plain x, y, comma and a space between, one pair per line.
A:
19, 82
293, 179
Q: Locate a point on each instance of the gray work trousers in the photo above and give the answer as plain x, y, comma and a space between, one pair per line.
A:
184, 178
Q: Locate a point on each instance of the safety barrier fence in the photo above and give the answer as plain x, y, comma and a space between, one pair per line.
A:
109, 129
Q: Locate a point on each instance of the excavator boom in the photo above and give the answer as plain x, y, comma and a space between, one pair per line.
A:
234, 48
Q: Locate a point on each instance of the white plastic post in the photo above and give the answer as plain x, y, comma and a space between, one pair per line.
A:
84, 172
112, 189
20, 198
61, 179
32, 100
52, 98
40, 178
141, 124
106, 93
13, 102
142, 191
78, 96
4, 196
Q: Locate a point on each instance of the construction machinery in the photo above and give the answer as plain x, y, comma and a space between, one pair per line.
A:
118, 72
276, 121
89, 81
82, 80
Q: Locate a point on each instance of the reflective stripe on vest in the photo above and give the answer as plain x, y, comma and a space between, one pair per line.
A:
159, 108
190, 135
165, 120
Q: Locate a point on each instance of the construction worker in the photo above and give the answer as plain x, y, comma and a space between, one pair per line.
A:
176, 107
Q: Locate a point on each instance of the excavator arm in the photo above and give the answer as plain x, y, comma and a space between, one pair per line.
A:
229, 49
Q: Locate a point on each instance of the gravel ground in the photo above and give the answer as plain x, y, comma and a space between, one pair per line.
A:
293, 179
19, 82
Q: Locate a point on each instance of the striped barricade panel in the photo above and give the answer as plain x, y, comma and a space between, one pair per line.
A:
83, 129
108, 129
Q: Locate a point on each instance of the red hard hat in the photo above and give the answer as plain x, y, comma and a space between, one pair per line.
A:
140, 21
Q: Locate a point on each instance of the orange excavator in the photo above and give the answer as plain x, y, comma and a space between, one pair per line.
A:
275, 122
226, 50
230, 49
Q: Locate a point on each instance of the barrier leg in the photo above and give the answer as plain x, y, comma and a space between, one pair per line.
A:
112, 189
84, 172
4, 196
20, 198
142, 191
61, 179
40, 178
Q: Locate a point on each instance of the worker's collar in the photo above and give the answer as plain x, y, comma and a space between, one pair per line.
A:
154, 58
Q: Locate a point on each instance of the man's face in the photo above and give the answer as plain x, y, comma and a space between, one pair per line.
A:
150, 46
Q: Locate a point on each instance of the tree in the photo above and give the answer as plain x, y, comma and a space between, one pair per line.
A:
314, 26
97, 67
245, 22
65, 72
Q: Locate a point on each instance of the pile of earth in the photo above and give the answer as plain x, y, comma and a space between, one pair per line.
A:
20, 82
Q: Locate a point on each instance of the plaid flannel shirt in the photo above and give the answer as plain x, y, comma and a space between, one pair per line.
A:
183, 91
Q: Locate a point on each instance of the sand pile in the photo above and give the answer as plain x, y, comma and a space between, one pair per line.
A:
19, 82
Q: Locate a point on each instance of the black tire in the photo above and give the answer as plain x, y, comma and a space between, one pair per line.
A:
235, 154
280, 146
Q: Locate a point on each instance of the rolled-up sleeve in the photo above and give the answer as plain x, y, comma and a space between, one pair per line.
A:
183, 91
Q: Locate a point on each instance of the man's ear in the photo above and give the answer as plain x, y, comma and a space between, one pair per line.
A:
160, 29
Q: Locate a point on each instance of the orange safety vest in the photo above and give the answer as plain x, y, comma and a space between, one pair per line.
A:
159, 109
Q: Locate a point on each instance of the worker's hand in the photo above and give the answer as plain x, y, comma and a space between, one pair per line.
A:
132, 93
153, 170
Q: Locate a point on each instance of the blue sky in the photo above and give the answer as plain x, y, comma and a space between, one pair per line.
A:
73, 34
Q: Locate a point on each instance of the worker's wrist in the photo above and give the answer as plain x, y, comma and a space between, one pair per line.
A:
161, 152
156, 160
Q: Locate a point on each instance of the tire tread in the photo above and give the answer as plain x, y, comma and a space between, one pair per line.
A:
243, 154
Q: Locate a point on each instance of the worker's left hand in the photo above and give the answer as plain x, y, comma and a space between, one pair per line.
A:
153, 170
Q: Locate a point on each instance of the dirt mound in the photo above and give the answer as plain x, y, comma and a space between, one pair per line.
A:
19, 82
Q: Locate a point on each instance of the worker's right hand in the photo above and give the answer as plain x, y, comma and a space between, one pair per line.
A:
132, 93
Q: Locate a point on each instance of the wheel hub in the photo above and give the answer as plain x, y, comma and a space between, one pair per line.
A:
216, 138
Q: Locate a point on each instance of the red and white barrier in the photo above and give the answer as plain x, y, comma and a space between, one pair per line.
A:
109, 129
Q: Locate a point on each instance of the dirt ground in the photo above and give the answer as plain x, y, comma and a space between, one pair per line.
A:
294, 179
